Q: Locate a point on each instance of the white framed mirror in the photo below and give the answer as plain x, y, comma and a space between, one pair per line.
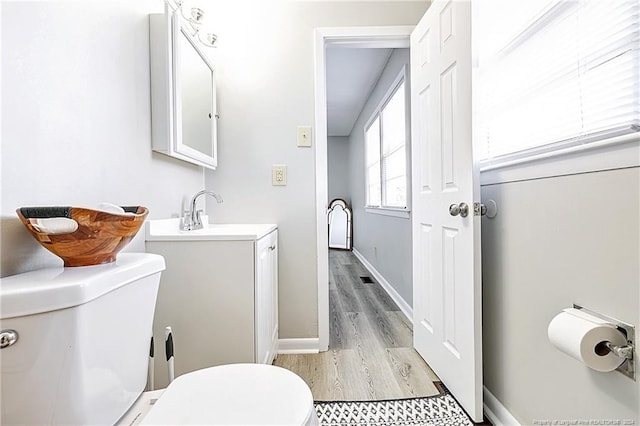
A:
340, 225
183, 92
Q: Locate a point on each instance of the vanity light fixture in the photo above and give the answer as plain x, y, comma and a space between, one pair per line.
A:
195, 18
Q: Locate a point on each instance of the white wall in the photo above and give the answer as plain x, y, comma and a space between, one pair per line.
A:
384, 241
338, 168
265, 80
76, 121
555, 242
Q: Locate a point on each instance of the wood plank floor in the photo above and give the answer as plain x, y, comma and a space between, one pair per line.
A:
370, 354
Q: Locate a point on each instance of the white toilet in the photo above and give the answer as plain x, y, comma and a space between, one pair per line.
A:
75, 345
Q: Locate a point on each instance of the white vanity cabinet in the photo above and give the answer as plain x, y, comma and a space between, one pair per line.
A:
219, 294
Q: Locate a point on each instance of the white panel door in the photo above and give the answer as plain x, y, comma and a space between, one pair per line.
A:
446, 247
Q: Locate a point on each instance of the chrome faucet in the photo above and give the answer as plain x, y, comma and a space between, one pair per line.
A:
191, 219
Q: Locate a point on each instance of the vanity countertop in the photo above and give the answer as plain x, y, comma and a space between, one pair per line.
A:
169, 230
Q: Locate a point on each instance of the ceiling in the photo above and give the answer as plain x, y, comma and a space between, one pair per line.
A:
351, 75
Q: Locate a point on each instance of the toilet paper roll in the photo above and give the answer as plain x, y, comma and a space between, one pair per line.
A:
581, 336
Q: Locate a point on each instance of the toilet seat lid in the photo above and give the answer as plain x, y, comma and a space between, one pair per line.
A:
235, 394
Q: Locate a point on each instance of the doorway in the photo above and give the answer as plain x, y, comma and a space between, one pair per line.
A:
340, 38
446, 276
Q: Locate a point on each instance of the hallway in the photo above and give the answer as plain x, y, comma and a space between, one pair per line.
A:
370, 354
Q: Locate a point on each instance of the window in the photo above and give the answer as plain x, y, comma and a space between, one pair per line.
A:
556, 74
386, 152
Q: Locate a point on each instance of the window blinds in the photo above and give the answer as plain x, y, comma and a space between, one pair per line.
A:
556, 73
394, 155
385, 152
372, 159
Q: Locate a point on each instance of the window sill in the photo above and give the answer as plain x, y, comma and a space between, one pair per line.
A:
385, 211
614, 153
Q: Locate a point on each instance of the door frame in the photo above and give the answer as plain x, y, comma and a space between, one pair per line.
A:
339, 37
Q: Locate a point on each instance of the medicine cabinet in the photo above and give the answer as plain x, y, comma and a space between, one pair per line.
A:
183, 92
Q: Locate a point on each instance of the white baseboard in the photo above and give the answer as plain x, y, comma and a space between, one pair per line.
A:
496, 412
299, 346
402, 304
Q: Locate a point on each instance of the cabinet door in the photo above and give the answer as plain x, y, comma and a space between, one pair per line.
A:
207, 296
183, 93
273, 325
266, 298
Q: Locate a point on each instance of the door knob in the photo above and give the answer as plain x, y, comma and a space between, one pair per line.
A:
461, 209
8, 338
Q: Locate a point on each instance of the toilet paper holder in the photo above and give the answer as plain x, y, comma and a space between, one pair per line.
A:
621, 351
627, 352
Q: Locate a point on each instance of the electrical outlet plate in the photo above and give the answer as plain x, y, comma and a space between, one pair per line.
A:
278, 175
304, 136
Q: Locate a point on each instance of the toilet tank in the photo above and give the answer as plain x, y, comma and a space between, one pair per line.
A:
82, 351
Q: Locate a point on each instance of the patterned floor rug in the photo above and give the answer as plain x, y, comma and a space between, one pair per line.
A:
440, 410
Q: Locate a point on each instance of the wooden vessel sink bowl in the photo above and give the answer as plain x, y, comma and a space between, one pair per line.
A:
98, 238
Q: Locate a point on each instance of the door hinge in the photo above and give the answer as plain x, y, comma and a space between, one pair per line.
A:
490, 210
479, 209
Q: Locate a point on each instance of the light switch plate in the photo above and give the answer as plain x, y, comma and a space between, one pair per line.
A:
278, 175
304, 136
